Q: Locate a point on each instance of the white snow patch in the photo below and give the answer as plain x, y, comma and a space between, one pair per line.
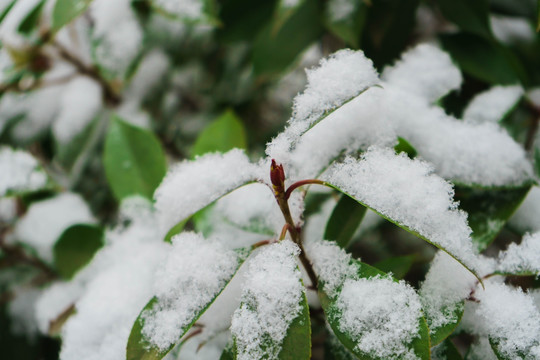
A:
188, 9
340, 10
46, 220
524, 257
511, 30
526, 218
426, 71
19, 171
54, 300
492, 105
270, 302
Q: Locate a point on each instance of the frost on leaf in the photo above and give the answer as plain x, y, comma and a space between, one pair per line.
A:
191, 185
193, 274
270, 302
523, 258
19, 172
185, 9
426, 71
338, 79
408, 193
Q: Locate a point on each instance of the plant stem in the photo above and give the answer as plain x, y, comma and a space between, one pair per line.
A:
302, 183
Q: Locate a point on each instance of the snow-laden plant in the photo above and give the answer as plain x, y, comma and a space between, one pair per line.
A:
265, 266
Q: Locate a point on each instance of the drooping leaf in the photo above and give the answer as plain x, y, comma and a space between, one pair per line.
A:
441, 333
31, 21
140, 348
488, 210
224, 134
406, 147
470, 16
447, 350
345, 219
297, 343
347, 25
66, 11
399, 266
420, 345
76, 247
273, 51
134, 160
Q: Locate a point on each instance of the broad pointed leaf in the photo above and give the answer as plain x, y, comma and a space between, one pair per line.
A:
347, 25
399, 266
67, 10
297, 342
439, 334
446, 350
345, 219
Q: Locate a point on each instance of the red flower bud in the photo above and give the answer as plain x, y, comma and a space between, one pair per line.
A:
277, 176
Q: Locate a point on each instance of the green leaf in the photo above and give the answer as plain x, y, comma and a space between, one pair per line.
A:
175, 230
348, 28
406, 147
469, 16
67, 10
134, 160
273, 52
4, 13
335, 350
420, 345
297, 343
446, 350
76, 247
31, 21
537, 159
243, 19
345, 219
140, 348
483, 59
441, 333
399, 266
283, 12
489, 210
228, 352
495, 346
223, 134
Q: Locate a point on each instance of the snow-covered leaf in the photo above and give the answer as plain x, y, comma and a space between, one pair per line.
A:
522, 259
399, 266
134, 160
66, 11
445, 351
195, 272
20, 173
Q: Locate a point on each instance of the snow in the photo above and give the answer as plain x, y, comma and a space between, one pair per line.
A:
339, 78
492, 105
192, 275
270, 302
524, 257
80, 102
408, 192
380, 315
19, 172
533, 95
447, 284
9, 35
526, 216
481, 350
191, 185
188, 9
116, 287
511, 30
339, 10
425, 71
511, 319
8, 210
54, 300
46, 220
22, 314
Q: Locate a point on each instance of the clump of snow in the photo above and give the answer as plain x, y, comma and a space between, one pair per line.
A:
511, 30
191, 185
46, 220
380, 315
8, 210
533, 95
481, 350
19, 171
447, 284
81, 100
193, 274
188, 9
339, 10
426, 71
526, 216
270, 302
492, 105
511, 319
469, 153
9, 34
116, 288
54, 300
331, 264
22, 313
338, 79
524, 257
407, 192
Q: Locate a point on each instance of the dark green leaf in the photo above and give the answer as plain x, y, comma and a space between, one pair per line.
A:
537, 159
224, 134
297, 343
447, 350
67, 10
76, 247
243, 19
469, 16
483, 59
139, 348
439, 334
31, 21
228, 352
350, 27
345, 219
175, 230
283, 13
489, 210
134, 160
520, 355
404, 146
420, 345
399, 266
335, 350
7, 9
273, 51
538, 16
